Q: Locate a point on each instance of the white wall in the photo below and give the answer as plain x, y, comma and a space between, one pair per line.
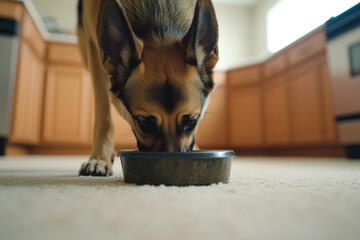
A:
236, 28
64, 11
258, 37
234, 34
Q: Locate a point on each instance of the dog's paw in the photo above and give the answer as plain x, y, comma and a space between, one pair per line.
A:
96, 168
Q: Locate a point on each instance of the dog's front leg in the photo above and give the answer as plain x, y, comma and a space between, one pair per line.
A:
102, 154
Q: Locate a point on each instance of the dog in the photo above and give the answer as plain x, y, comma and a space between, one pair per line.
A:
154, 60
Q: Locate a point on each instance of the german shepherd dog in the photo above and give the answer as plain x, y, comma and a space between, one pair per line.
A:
153, 59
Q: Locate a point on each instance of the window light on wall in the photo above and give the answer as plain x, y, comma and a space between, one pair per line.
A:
288, 20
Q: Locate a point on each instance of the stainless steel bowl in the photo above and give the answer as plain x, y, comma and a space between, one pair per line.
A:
176, 168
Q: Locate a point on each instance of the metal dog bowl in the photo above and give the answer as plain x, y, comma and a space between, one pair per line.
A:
176, 168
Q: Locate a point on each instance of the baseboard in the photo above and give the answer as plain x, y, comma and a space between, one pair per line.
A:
336, 152
313, 151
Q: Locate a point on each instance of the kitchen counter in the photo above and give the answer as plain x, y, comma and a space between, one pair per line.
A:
261, 59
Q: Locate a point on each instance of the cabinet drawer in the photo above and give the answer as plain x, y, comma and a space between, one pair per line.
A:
67, 107
10, 10
244, 76
308, 47
32, 35
28, 98
64, 53
274, 65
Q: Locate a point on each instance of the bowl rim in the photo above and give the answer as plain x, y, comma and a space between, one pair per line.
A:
182, 155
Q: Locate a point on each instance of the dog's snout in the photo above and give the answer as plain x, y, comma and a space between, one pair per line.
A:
164, 146
170, 146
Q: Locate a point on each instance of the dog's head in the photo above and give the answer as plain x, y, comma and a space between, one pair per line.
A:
160, 89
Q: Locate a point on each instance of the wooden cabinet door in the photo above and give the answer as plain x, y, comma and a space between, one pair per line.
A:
330, 132
276, 111
307, 103
245, 112
67, 110
212, 130
28, 98
123, 135
10, 9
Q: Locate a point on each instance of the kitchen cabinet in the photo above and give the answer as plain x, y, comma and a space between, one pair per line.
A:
276, 101
297, 95
28, 98
246, 117
311, 112
285, 101
11, 10
67, 116
306, 103
312, 117
67, 110
213, 129
27, 103
245, 108
329, 121
307, 48
64, 54
276, 111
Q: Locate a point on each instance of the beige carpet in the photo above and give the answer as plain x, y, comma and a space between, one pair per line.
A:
267, 198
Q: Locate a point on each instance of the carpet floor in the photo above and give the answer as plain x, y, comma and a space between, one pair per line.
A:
267, 198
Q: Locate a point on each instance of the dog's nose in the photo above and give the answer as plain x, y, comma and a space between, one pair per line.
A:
163, 146
171, 147
168, 144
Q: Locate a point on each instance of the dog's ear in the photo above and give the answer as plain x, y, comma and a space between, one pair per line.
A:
200, 43
121, 50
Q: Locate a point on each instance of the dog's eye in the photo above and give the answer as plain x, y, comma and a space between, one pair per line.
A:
189, 123
147, 124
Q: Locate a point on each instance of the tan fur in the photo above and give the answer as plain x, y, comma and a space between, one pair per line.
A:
103, 143
179, 11
163, 59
